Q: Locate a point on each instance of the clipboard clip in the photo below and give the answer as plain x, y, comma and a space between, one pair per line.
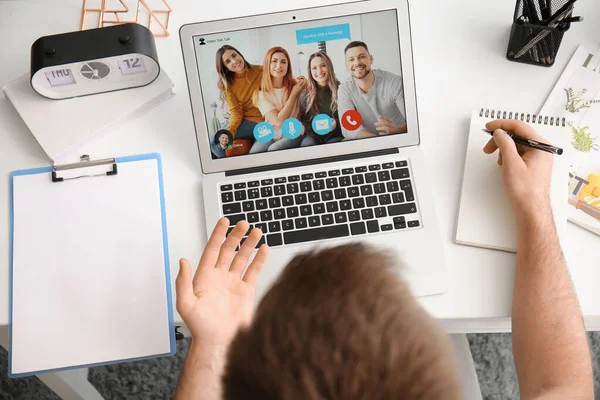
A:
84, 163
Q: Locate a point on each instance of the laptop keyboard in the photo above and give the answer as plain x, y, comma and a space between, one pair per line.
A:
331, 203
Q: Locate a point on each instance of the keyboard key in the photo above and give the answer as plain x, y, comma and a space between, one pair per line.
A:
274, 202
253, 184
340, 218
227, 197
385, 199
261, 204
366, 213
232, 208
301, 223
371, 177
287, 201
292, 212
401, 164
287, 225
380, 212
320, 174
279, 213
308, 235
400, 173
392, 186
319, 184
332, 207
314, 197
345, 181
358, 203
372, 226
226, 187
360, 169
234, 219
241, 185
305, 186
294, 178
248, 206
347, 171
260, 242
371, 201
366, 190
383, 176
353, 192
300, 199
327, 219
398, 197
379, 188
354, 216
387, 165
319, 208
262, 226
266, 191
240, 195
387, 227
307, 177
253, 194
266, 215
375, 167
253, 217
399, 219
331, 183
413, 224
280, 180
400, 225
274, 226
335, 172
265, 182
339, 193
292, 187
306, 210
408, 190
326, 195
345, 205
229, 230
314, 221
358, 228
358, 179
275, 239
401, 209
279, 190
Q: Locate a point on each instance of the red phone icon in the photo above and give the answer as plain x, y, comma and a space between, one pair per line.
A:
351, 120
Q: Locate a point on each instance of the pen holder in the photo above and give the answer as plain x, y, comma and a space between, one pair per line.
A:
531, 42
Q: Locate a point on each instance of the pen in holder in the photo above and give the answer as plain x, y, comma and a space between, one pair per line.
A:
537, 31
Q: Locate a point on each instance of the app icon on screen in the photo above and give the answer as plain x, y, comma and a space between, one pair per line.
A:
322, 124
263, 132
351, 120
291, 128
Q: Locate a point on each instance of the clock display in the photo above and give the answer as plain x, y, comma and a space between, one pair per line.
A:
60, 77
133, 65
95, 70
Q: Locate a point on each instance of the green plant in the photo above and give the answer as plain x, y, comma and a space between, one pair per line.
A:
576, 102
583, 140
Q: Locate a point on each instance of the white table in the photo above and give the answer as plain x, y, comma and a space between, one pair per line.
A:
459, 55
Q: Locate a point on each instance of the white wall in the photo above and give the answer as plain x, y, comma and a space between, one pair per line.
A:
379, 32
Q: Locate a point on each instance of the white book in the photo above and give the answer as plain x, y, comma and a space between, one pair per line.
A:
485, 216
63, 126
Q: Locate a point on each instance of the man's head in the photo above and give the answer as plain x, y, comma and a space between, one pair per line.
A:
340, 324
358, 59
223, 138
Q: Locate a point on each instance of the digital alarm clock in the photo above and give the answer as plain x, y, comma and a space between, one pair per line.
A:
93, 61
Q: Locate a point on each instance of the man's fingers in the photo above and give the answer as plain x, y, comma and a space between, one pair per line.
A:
507, 146
500, 158
230, 245
251, 275
490, 147
515, 126
184, 288
241, 258
213, 246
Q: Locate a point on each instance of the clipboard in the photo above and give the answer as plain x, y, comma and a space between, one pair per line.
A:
89, 265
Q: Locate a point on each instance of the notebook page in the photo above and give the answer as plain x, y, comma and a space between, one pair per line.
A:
485, 217
88, 276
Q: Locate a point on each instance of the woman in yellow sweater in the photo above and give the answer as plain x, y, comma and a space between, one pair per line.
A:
238, 80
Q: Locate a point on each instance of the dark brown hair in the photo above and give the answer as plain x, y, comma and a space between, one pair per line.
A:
356, 43
340, 325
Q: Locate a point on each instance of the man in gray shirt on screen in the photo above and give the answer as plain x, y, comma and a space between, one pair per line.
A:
377, 95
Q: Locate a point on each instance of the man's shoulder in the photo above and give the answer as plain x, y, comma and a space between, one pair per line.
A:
386, 75
347, 85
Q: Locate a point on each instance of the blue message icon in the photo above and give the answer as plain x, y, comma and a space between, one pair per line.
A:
322, 124
323, 34
263, 132
291, 128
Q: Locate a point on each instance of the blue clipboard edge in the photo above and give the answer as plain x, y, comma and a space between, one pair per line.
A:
118, 160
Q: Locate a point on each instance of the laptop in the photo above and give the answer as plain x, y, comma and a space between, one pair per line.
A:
310, 161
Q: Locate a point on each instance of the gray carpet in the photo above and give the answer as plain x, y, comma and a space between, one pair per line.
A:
156, 379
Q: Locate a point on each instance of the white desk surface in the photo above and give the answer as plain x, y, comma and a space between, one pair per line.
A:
459, 56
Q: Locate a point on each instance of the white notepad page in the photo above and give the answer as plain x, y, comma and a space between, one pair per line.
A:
89, 276
485, 216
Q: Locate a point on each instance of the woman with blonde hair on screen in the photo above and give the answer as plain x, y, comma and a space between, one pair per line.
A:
278, 99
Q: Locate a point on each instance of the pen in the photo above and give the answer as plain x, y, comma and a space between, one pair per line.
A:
534, 144
570, 19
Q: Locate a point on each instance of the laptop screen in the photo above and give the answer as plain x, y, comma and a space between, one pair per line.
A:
304, 84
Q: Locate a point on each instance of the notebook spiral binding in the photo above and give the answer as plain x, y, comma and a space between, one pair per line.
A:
529, 118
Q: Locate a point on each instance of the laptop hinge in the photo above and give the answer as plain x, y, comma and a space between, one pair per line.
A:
303, 163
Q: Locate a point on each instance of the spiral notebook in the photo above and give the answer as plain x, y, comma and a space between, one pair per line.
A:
485, 217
